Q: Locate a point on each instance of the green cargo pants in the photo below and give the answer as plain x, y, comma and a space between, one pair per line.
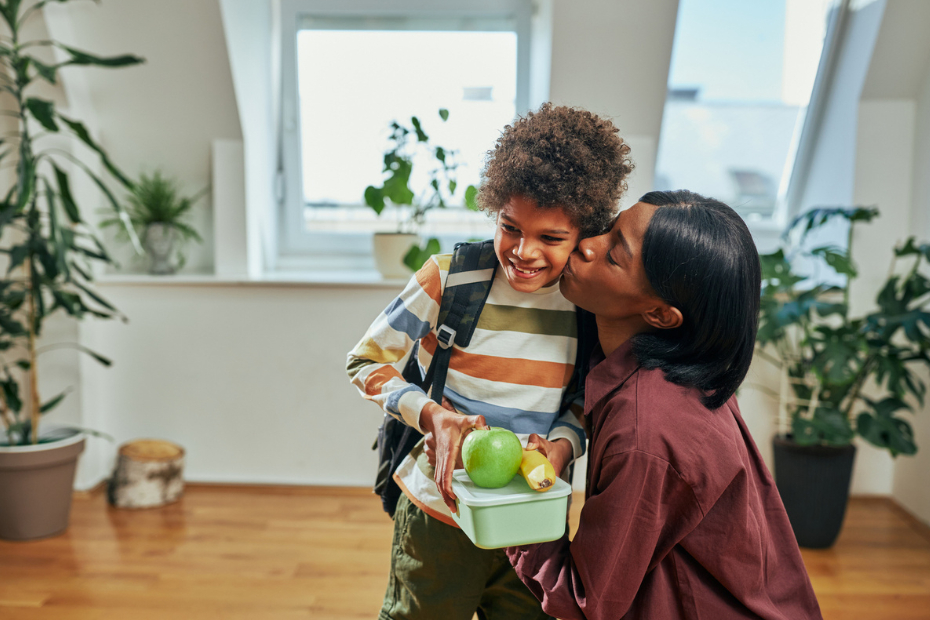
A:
437, 573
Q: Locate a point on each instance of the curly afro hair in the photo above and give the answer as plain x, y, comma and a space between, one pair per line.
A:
560, 157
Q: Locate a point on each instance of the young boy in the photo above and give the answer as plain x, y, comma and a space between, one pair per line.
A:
553, 178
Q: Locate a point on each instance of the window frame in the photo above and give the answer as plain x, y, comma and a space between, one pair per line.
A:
299, 248
789, 196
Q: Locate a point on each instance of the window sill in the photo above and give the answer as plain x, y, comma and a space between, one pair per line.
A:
323, 279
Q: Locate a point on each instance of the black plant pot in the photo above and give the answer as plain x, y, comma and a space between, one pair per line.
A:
813, 482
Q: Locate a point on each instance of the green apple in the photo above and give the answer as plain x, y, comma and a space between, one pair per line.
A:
492, 458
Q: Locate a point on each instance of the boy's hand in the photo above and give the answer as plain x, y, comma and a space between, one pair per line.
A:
559, 452
445, 430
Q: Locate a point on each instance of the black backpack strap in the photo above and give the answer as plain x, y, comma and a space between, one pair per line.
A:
468, 284
471, 274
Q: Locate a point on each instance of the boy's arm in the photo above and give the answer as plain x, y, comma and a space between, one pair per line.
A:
410, 317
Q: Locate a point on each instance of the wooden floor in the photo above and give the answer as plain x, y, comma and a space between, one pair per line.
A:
228, 553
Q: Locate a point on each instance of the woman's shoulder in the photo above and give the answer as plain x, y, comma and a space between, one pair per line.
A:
672, 423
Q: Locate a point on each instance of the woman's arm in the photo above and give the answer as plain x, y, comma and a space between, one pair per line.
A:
640, 509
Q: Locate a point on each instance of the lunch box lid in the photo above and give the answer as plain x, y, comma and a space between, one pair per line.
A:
514, 492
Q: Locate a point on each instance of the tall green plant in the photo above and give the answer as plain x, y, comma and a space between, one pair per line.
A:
48, 244
846, 375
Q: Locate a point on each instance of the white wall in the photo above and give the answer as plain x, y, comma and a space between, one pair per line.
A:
165, 113
885, 143
250, 58
250, 379
910, 477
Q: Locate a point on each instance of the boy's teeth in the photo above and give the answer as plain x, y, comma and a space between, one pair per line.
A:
524, 270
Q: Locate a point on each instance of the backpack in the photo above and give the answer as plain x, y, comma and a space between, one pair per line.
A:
471, 274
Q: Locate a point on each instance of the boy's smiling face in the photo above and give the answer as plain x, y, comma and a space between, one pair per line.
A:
533, 244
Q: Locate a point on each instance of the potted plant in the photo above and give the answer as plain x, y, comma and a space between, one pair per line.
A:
49, 250
842, 375
157, 212
399, 253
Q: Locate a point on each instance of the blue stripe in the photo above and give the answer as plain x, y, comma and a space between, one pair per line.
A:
394, 397
576, 429
402, 320
517, 420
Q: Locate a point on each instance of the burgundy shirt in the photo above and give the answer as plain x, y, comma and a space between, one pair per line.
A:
681, 517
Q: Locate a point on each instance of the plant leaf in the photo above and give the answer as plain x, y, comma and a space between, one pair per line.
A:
374, 198
471, 196
417, 256
838, 259
67, 200
43, 111
81, 132
52, 403
83, 58
421, 136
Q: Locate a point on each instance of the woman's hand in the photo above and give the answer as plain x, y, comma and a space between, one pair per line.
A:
559, 452
445, 430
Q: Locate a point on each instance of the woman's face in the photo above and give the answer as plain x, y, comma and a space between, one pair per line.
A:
605, 275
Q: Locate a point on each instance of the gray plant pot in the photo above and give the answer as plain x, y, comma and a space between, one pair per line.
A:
36, 483
159, 244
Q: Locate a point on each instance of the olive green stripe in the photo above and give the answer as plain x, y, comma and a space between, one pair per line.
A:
528, 320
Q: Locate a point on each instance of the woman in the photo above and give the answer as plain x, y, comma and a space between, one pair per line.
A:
681, 518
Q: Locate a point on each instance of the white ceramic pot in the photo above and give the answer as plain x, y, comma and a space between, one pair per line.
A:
159, 243
389, 251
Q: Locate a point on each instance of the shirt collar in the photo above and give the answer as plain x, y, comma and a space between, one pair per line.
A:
608, 373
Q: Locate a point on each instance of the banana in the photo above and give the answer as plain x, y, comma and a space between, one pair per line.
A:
537, 470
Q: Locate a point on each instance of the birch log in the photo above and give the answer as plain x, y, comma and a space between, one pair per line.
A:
148, 473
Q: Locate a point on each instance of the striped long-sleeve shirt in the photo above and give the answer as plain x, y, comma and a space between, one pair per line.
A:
513, 372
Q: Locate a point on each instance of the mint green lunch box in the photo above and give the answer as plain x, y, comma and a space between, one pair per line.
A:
511, 515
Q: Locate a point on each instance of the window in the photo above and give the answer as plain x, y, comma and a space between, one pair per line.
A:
740, 83
348, 73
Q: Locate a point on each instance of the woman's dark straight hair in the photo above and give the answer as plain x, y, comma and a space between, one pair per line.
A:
700, 258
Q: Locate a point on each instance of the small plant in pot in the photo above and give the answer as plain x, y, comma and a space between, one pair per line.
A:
842, 376
50, 251
399, 253
157, 211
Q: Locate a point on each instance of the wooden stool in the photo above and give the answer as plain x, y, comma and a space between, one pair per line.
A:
148, 473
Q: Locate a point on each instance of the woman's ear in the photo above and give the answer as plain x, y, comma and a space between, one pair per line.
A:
663, 316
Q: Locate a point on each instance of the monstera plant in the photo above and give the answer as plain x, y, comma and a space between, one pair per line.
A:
48, 246
843, 374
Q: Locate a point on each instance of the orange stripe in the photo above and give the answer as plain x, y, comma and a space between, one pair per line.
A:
436, 515
378, 378
429, 279
518, 371
429, 343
